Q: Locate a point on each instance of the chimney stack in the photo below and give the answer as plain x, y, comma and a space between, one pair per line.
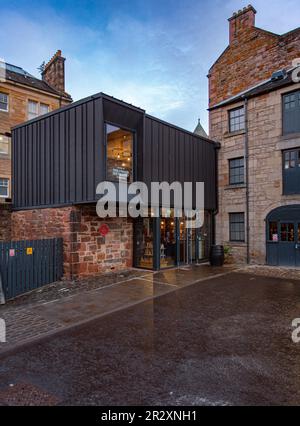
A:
54, 72
240, 21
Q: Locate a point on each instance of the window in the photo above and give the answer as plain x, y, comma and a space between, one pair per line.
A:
119, 153
291, 113
4, 145
4, 187
33, 109
273, 232
237, 227
3, 102
44, 109
287, 232
291, 172
236, 171
236, 119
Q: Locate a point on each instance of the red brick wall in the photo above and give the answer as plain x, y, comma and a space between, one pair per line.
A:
96, 253
86, 252
5, 222
252, 56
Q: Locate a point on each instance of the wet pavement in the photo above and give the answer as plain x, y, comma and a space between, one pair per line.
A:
65, 304
221, 341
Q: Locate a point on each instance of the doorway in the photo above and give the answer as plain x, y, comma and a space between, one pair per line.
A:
283, 236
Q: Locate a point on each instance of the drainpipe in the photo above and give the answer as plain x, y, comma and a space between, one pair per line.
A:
216, 210
247, 179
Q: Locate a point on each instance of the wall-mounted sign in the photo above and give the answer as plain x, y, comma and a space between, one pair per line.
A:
29, 251
12, 253
275, 238
104, 229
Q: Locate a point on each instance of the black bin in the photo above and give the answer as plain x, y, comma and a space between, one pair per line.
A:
216, 256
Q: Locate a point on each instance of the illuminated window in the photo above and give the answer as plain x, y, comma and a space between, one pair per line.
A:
119, 154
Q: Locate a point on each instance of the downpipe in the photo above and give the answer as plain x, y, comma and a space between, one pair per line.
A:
247, 179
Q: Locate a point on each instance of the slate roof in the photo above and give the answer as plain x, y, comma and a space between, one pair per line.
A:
200, 131
23, 77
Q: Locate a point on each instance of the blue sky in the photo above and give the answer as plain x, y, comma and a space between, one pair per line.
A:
152, 53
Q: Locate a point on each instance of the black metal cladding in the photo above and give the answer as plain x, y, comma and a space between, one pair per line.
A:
171, 154
60, 158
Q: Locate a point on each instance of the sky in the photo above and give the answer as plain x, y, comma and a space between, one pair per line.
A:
154, 54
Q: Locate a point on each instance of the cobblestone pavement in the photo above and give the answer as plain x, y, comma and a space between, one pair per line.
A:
272, 271
223, 341
58, 306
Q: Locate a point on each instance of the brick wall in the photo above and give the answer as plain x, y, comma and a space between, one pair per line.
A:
54, 72
86, 252
251, 57
5, 222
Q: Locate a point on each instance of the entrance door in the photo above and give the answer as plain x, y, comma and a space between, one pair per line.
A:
283, 236
287, 244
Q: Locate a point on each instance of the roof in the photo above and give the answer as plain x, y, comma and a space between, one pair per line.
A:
200, 131
265, 86
20, 76
119, 102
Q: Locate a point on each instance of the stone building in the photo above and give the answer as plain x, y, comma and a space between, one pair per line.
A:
254, 112
23, 97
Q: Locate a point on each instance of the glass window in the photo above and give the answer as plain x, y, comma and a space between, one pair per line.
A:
119, 154
237, 227
144, 250
273, 232
44, 109
33, 109
287, 232
291, 159
167, 238
290, 101
236, 171
4, 145
291, 113
237, 119
4, 187
3, 102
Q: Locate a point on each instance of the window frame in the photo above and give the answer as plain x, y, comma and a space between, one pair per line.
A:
230, 111
39, 104
230, 168
293, 169
8, 187
7, 97
133, 165
4, 154
283, 97
231, 223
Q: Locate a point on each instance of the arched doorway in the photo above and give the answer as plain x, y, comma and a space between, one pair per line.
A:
283, 236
